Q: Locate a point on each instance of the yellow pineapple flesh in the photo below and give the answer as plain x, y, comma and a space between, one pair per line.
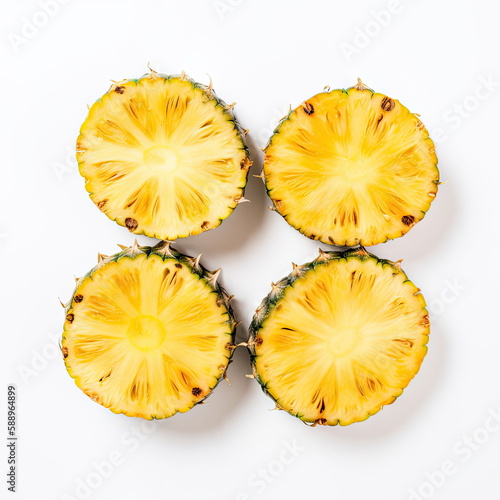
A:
351, 167
148, 332
163, 156
339, 338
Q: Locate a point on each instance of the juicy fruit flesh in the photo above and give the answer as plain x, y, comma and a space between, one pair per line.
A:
351, 167
344, 340
147, 337
162, 157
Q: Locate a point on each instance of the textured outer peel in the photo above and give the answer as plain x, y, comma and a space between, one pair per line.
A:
164, 251
265, 311
143, 138
318, 164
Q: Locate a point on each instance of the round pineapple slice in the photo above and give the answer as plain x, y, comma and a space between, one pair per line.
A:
351, 167
163, 156
148, 332
339, 338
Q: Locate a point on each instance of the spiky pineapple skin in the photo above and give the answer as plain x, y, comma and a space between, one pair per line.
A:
164, 250
210, 94
278, 290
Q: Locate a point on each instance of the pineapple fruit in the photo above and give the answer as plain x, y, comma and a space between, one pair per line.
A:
163, 156
149, 332
339, 338
351, 167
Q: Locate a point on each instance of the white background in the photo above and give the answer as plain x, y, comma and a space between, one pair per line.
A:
433, 56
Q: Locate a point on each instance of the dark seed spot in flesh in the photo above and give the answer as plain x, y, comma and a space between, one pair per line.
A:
258, 341
387, 104
104, 377
65, 352
131, 224
70, 317
408, 220
321, 421
308, 108
120, 89
178, 266
101, 204
322, 406
196, 391
425, 320
313, 236
405, 342
78, 298
205, 225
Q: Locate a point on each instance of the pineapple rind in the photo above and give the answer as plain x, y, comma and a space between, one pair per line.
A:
277, 293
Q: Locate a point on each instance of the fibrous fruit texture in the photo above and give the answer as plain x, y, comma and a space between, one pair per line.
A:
163, 156
351, 167
149, 332
339, 338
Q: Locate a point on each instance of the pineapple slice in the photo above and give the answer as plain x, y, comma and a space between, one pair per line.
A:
148, 332
163, 156
339, 338
351, 167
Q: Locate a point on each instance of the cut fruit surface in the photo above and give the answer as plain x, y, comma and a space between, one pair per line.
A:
339, 338
148, 332
351, 167
163, 156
